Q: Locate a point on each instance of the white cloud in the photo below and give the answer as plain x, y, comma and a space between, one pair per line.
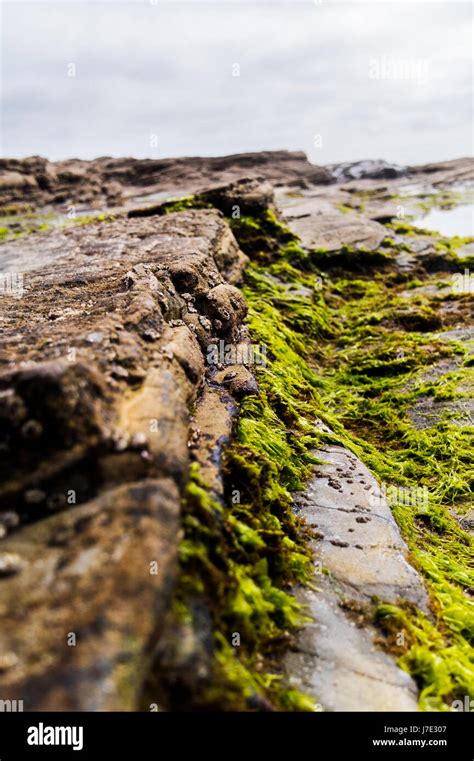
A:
167, 69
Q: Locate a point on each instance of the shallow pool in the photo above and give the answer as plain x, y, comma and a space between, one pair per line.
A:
450, 222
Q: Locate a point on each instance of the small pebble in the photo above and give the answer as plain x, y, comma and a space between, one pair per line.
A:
34, 496
9, 519
10, 563
7, 661
138, 441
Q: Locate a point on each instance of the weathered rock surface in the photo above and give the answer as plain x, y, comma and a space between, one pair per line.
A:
107, 394
332, 230
92, 584
108, 181
359, 555
103, 360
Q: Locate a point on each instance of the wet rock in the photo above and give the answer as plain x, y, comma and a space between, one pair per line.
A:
238, 379
213, 420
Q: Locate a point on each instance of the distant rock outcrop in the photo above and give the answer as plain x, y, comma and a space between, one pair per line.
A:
109, 180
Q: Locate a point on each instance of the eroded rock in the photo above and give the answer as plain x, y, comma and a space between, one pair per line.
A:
103, 363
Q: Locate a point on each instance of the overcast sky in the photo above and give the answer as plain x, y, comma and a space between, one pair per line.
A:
341, 81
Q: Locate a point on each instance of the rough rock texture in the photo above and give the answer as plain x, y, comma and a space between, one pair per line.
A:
359, 540
83, 604
109, 181
113, 182
104, 361
108, 394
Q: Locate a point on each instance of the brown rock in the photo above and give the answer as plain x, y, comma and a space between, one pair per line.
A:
81, 613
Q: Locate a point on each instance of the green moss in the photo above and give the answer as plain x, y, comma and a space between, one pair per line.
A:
240, 560
373, 377
443, 672
345, 209
20, 224
183, 204
371, 359
353, 259
370, 374
405, 228
423, 202
265, 239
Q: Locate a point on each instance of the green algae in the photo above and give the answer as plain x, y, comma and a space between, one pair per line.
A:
240, 560
17, 225
182, 204
363, 392
445, 198
344, 208
374, 408
341, 350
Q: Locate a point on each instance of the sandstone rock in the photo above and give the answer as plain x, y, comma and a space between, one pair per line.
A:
82, 611
247, 196
15, 181
101, 368
333, 660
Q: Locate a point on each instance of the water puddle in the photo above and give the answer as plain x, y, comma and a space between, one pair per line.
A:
456, 221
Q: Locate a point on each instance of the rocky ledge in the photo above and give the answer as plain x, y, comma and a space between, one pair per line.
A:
149, 459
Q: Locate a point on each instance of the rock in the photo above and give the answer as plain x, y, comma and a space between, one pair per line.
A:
246, 196
10, 563
101, 369
238, 379
359, 545
122, 362
376, 170
84, 611
15, 182
213, 421
108, 181
331, 231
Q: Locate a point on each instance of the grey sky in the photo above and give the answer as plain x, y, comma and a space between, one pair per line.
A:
306, 70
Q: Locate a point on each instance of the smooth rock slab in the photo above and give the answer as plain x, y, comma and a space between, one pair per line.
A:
332, 230
360, 549
339, 665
